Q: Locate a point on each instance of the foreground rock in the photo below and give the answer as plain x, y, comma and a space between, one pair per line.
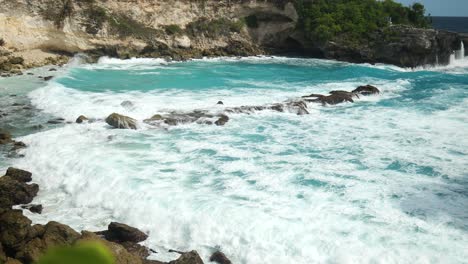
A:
366, 90
191, 257
15, 190
22, 242
121, 121
118, 232
220, 258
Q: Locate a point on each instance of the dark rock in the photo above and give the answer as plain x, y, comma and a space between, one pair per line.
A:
13, 191
366, 90
14, 229
5, 137
33, 208
19, 175
333, 99
136, 249
220, 258
30, 73
220, 102
81, 119
222, 120
56, 121
54, 234
52, 69
118, 232
121, 121
18, 145
3, 256
191, 257
48, 78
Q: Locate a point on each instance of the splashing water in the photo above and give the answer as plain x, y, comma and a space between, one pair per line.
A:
382, 180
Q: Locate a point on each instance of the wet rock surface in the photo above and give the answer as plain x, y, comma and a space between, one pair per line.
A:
121, 121
220, 258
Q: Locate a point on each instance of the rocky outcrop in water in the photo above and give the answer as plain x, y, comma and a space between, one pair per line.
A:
121, 121
403, 46
23, 242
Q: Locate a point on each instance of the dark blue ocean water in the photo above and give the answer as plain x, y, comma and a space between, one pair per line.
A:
457, 24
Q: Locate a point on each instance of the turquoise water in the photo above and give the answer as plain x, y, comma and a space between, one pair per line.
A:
383, 180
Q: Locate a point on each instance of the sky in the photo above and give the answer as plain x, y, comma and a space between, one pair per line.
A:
442, 7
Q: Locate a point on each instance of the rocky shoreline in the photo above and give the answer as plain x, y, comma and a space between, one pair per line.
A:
24, 242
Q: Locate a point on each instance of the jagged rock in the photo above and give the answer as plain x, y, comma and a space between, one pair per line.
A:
81, 119
19, 175
121, 255
220, 258
121, 121
14, 229
332, 99
118, 232
136, 249
191, 257
54, 234
222, 120
48, 78
13, 191
366, 90
33, 208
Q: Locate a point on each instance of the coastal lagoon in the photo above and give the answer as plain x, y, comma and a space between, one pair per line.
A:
380, 180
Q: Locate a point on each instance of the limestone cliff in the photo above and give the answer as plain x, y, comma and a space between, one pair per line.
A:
37, 32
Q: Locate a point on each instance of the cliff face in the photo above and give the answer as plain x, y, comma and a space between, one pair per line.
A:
36, 32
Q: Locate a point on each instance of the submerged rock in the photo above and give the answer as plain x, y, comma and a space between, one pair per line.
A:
222, 120
121, 121
5, 137
220, 258
48, 78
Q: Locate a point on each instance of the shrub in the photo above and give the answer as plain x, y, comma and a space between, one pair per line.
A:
96, 16
173, 30
126, 26
323, 20
215, 27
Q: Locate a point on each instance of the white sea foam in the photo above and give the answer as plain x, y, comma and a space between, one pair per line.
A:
360, 182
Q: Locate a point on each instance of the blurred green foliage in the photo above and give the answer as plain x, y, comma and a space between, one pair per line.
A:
82, 253
322, 20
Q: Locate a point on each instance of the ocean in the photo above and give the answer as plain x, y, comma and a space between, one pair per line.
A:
456, 24
380, 180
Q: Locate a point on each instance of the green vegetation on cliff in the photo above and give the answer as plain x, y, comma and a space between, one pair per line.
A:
322, 20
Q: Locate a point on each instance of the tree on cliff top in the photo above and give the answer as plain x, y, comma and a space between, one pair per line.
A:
322, 20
